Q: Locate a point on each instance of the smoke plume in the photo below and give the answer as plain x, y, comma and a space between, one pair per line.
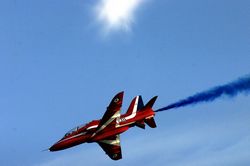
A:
231, 89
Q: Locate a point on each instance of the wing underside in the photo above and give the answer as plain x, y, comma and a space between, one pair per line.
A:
112, 147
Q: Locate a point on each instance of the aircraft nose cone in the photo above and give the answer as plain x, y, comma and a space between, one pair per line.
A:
52, 148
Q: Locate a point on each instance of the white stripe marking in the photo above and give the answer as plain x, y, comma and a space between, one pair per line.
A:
134, 109
92, 127
117, 114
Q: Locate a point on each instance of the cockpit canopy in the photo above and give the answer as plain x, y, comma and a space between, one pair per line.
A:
84, 127
74, 129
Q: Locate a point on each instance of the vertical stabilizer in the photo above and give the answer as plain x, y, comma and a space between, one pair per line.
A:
135, 105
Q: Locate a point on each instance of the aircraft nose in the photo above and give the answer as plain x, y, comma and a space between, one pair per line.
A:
52, 148
55, 147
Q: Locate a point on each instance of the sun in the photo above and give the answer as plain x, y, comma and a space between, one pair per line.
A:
117, 13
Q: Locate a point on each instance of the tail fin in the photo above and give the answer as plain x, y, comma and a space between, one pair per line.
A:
135, 105
140, 104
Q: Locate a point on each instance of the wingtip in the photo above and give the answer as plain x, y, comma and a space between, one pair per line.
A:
119, 95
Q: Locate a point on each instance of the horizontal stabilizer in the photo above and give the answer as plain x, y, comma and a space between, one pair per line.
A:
150, 122
140, 124
151, 102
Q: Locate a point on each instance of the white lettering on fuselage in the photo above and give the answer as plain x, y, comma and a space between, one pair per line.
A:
119, 120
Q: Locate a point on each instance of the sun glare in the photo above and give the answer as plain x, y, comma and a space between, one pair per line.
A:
116, 14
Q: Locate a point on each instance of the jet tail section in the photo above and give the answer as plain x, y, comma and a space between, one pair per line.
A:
135, 105
140, 104
150, 122
140, 124
151, 102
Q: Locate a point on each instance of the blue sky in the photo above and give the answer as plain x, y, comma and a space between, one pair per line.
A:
59, 68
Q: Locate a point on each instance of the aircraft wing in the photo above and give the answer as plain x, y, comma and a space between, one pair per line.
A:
113, 111
112, 147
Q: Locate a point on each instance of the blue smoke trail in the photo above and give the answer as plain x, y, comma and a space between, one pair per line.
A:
231, 90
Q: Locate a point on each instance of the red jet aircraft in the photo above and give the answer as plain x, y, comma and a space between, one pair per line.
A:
106, 131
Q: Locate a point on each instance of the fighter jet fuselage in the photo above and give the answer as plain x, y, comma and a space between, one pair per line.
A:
106, 131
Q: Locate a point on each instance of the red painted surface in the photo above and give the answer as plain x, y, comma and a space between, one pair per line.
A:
111, 125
